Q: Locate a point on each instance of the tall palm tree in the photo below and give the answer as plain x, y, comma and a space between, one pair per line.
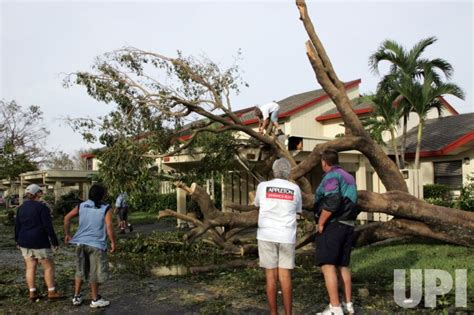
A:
424, 95
384, 118
410, 63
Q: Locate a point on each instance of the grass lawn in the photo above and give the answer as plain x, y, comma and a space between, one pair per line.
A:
372, 278
136, 217
373, 268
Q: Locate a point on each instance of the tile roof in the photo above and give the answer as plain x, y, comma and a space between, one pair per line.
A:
294, 103
440, 133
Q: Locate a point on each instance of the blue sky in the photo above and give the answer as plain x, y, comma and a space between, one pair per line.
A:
40, 41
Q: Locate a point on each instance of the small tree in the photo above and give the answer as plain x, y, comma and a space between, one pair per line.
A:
384, 118
59, 160
423, 97
408, 63
22, 137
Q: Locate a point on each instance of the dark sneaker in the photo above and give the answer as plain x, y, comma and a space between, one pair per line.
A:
130, 228
77, 300
100, 302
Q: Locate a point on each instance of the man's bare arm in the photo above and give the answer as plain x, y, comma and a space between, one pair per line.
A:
67, 223
110, 230
323, 218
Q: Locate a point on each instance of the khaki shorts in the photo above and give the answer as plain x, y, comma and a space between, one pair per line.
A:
37, 253
91, 264
276, 255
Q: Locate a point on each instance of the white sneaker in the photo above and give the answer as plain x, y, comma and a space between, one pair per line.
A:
77, 300
348, 308
332, 310
100, 302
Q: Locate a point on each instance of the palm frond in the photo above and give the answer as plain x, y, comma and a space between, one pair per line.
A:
443, 65
416, 51
389, 51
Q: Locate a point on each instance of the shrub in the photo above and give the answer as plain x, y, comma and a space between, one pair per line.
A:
153, 202
439, 202
466, 198
67, 202
436, 191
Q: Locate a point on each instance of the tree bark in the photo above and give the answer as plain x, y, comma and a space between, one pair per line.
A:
231, 264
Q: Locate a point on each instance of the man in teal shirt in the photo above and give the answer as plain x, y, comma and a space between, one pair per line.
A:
336, 211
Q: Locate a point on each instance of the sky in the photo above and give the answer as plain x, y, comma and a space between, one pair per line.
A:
42, 41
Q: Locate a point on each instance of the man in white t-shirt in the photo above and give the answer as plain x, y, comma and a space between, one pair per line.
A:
265, 113
278, 200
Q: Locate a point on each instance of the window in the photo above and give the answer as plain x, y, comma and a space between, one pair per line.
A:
295, 143
89, 164
448, 173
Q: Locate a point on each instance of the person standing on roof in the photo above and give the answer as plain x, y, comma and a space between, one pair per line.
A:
265, 113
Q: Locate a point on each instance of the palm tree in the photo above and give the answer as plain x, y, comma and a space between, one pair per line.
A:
408, 63
385, 117
423, 96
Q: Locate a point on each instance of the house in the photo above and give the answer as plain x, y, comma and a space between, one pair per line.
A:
447, 150
310, 118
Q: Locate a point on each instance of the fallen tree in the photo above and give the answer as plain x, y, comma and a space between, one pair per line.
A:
200, 88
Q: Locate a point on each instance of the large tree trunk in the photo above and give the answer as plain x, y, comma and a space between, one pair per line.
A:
413, 217
419, 218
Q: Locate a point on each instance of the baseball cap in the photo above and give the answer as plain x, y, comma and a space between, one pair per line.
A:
33, 189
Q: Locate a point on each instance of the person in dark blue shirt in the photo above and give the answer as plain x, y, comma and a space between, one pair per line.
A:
35, 236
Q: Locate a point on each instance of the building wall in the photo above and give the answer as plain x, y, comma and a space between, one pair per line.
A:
304, 124
95, 164
427, 169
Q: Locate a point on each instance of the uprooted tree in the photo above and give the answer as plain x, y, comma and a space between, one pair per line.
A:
189, 88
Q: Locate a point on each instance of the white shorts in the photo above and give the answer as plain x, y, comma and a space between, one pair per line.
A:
276, 255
